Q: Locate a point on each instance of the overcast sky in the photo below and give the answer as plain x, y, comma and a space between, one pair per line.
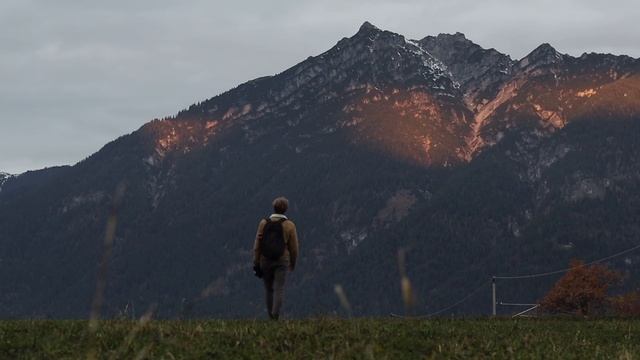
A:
75, 75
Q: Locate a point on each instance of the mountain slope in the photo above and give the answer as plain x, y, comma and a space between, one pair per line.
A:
480, 72
473, 163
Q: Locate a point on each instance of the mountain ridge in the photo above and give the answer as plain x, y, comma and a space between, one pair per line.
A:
470, 162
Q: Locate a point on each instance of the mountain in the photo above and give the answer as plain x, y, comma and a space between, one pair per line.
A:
473, 163
3, 178
480, 72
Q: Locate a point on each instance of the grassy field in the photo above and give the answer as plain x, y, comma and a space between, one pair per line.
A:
323, 339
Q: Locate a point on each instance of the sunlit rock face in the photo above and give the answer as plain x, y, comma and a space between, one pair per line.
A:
548, 90
382, 90
472, 162
433, 102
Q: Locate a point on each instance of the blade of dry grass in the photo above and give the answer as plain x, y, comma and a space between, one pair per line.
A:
142, 322
101, 279
342, 296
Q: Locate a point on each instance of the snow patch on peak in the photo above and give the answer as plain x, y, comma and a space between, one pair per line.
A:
437, 67
433, 61
3, 178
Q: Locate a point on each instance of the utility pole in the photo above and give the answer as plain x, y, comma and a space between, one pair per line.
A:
493, 296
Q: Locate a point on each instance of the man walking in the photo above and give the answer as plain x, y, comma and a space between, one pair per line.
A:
275, 252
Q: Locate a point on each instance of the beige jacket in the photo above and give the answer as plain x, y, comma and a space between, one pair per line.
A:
290, 239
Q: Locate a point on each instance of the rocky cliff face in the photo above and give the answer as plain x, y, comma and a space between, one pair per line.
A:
472, 162
480, 72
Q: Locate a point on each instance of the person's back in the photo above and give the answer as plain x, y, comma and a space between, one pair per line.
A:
275, 251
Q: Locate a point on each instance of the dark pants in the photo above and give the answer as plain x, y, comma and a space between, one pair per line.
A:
274, 275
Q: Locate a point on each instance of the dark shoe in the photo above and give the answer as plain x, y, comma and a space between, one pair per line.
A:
275, 316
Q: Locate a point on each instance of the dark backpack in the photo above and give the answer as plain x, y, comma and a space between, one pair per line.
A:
273, 245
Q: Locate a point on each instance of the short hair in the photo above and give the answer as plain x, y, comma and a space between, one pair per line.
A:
280, 205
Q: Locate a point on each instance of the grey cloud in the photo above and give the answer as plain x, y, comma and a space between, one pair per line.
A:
77, 74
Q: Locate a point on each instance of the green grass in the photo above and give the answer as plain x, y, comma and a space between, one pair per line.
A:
323, 339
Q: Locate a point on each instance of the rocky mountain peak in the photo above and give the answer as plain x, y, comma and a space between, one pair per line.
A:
367, 27
545, 51
459, 35
479, 71
457, 39
454, 49
371, 56
372, 37
544, 54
